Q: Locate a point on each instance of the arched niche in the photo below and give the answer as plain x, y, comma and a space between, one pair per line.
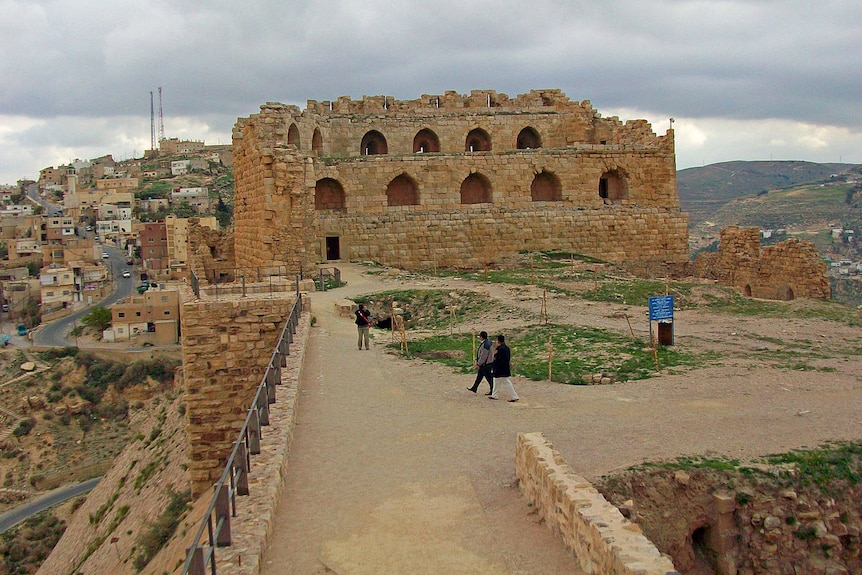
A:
293, 136
546, 188
328, 195
477, 140
316, 141
425, 141
613, 186
476, 189
373, 143
402, 191
529, 139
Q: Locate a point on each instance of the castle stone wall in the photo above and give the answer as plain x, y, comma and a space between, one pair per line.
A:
227, 345
281, 154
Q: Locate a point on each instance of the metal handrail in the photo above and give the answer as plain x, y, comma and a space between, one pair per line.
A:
223, 502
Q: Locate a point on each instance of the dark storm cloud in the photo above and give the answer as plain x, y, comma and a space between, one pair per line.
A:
739, 60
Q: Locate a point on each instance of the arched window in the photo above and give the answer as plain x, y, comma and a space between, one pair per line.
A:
529, 139
426, 141
546, 188
402, 191
328, 195
316, 141
478, 140
612, 186
293, 135
476, 189
373, 143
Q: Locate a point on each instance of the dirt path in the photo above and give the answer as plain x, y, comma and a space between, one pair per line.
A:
397, 468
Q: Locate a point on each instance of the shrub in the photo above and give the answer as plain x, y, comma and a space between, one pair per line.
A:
25, 426
159, 532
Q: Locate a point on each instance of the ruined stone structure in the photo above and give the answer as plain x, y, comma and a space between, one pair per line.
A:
451, 181
785, 271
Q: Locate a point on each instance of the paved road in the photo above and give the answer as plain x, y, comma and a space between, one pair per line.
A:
12, 518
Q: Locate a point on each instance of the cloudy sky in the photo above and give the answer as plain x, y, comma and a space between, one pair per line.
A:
744, 80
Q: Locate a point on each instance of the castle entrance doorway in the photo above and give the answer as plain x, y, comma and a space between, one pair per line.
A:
333, 248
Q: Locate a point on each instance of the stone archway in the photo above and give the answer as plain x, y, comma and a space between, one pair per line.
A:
785, 293
329, 195
477, 140
546, 188
613, 186
402, 191
529, 139
426, 141
476, 189
316, 141
293, 136
373, 143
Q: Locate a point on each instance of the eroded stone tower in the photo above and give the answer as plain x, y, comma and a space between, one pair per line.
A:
451, 180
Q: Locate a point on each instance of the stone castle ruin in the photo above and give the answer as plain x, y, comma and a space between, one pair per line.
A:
451, 181
785, 271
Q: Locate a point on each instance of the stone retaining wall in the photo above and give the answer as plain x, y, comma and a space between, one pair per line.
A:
602, 540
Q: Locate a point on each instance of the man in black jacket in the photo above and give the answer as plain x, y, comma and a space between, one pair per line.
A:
502, 370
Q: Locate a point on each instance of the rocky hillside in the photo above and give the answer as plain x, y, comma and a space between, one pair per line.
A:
791, 513
703, 191
136, 507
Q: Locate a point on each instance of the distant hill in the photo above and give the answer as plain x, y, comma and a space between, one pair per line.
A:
703, 191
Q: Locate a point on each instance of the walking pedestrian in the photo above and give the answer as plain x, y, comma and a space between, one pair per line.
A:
502, 370
363, 325
484, 360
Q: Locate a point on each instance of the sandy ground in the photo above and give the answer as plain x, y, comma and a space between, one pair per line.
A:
397, 468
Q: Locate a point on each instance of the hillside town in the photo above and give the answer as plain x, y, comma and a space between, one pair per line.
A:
62, 232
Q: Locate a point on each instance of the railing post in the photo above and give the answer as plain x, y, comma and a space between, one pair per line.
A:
273, 378
254, 433
242, 467
222, 511
263, 407
197, 566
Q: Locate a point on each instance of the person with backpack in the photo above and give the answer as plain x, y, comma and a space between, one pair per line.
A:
363, 325
484, 360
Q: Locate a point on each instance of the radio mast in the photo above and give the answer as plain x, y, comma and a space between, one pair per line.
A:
152, 124
161, 118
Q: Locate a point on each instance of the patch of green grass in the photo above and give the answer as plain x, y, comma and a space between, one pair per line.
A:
427, 309
824, 466
577, 352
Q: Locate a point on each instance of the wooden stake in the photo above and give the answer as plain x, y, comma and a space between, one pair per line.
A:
630, 324
543, 313
550, 355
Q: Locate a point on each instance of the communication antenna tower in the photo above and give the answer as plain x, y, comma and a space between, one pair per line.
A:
161, 118
152, 124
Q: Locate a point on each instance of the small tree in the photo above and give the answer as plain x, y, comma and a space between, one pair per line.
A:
98, 318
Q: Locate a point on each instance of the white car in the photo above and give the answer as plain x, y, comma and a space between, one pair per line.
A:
126, 274
105, 255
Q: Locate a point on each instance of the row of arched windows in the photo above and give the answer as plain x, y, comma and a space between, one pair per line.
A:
425, 141
475, 189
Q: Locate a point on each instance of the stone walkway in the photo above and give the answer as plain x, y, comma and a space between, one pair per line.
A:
401, 470
397, 468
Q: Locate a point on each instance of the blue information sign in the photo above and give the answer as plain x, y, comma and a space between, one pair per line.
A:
661, 307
